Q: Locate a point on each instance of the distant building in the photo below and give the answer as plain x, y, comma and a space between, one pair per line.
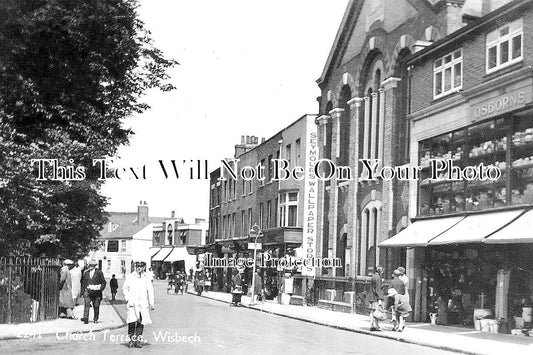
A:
171, 240
127, 237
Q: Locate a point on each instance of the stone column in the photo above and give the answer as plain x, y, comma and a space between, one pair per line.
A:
334, 192
353, 225
322, 122
366, 128
391, 103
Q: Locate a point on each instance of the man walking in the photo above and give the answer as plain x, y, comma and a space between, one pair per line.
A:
139, 293
66, 303
93, 283
113, 283
375, 297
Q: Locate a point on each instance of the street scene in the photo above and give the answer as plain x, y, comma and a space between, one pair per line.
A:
340, 177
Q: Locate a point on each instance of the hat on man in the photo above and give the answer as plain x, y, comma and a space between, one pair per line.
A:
140, 263
391, 292
93, 262
401, 269
396, 272
68, 262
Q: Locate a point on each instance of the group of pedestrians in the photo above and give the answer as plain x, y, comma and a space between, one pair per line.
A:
396, 300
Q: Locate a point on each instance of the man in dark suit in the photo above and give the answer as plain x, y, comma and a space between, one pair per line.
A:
92, 285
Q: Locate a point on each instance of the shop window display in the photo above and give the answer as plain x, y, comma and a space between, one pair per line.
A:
461, 280
506, 143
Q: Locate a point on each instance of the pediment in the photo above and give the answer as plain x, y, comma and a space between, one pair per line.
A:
384, 14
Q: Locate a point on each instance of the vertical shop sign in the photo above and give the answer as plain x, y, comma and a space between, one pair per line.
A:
309, 242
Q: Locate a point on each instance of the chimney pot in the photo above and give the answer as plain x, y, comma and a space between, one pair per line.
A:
172, 214
242, 140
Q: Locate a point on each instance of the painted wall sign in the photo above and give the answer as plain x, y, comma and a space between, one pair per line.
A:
502, 104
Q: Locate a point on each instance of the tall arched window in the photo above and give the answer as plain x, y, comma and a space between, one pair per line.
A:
373, 113
369, 236
344, 134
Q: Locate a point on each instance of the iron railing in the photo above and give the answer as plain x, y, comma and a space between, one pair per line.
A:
29, 289
345, 290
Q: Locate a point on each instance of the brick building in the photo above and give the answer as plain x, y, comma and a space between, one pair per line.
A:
471, 103
277, 207
363, 105
173, 244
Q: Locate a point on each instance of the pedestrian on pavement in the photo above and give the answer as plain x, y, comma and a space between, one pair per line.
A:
75, 276
92, 284
405, 281
236, 288
66, 303
139, 293
113, 283
375, 297
401, 309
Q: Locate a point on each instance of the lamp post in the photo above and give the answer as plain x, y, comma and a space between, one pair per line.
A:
257, 231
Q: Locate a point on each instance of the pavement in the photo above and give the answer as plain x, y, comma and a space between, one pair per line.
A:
455, 339
109, 319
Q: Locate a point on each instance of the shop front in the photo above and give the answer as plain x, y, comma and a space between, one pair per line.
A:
474, 270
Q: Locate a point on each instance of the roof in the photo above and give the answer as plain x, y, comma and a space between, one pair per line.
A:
466, 31
126, 225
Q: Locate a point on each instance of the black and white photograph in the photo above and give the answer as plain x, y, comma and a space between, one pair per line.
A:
266, 177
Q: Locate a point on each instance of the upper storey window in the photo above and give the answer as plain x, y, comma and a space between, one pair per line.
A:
504, 46
448, 74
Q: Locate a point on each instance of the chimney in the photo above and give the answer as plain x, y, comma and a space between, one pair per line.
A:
142, 213
173, 214
242, 139
262, 140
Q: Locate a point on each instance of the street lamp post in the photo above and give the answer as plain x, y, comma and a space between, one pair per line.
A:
257, 231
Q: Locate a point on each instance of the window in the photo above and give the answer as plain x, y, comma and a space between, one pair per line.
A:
243, 223
504, 46
250, 189
170, 234
233, 218
112, 246
288, 154
262, 168
123, 246
249, 220
261, 214
298, 153
370, 218
243, 186
224, 227
448, 74
269, 214
288, 209
270, 168
123, 266
183, 237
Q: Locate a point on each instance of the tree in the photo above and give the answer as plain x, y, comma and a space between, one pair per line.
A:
70, 72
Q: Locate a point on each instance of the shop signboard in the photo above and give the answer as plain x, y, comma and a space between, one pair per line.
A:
309, 238
253, 246
501, 104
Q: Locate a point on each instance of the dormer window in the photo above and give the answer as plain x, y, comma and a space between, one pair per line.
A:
504, 46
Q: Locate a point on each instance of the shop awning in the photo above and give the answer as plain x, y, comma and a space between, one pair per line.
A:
154, 251
163, 253
177, 254
519, 231
420, 232
475, 228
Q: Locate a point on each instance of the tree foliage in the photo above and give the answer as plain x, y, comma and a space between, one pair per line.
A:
70, 72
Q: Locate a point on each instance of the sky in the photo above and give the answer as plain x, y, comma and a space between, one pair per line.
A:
247, 67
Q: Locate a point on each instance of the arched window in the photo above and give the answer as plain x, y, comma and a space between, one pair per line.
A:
369, 236
372, 125
344, 124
